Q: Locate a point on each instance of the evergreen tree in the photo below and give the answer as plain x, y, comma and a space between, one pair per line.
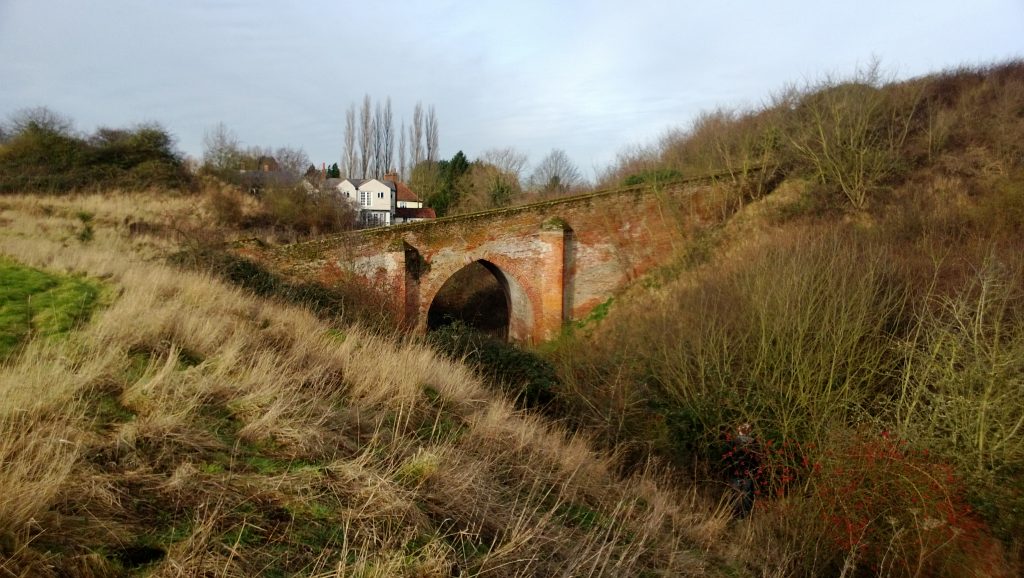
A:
334, 172
448, 175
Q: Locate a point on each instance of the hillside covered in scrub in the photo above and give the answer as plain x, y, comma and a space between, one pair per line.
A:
862, 308
167, 409
189, 428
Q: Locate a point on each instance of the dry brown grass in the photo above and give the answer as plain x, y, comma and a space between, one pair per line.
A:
190, 429
818, 324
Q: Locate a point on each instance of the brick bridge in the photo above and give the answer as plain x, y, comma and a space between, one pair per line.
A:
556, 260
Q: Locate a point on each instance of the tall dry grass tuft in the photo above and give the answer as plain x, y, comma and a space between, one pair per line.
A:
40, 427
37, 461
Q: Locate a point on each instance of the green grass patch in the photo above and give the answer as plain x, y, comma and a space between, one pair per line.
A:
35, 303
110, 411
598, 313
441, 430
136, 368
580, 516
212, 468
242, 535
269, 466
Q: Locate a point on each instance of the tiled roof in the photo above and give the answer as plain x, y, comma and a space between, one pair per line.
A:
411, 213
405, 193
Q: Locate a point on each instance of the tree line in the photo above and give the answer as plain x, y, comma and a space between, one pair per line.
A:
450, 186
40, 151
225, 157
496, 179
370, 148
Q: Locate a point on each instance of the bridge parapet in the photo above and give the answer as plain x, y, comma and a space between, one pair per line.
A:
556, 259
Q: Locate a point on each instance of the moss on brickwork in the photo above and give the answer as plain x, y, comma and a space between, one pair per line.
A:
555, 224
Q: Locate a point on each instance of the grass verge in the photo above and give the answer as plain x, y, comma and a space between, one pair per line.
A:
36, 303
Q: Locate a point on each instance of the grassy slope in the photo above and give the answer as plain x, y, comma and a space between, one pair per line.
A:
189, 428
828, 325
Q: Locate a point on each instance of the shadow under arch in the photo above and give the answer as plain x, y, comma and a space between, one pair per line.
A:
486, 298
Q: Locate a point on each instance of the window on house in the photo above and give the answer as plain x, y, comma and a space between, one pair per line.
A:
364, 198
380, 195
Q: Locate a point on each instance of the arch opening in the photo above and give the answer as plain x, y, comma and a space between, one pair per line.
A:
479, 295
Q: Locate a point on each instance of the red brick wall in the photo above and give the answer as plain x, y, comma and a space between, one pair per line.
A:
562, 258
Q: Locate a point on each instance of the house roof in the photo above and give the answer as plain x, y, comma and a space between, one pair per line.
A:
412, 213
402, 191
388, 184
405, 193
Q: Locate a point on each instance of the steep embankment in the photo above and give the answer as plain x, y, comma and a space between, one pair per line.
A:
189, 428
866, 316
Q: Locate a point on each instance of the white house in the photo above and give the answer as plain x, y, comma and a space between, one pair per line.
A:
381, 202
377, 199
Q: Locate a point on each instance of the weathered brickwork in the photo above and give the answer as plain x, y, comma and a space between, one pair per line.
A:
557, 260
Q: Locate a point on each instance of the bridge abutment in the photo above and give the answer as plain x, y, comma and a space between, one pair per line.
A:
552, 281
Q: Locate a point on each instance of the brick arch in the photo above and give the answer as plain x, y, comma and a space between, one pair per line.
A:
523, 297
568, 255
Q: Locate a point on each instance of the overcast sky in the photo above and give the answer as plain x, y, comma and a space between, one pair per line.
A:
589, 77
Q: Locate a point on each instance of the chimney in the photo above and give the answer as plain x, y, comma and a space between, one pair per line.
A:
323, 171
391, 175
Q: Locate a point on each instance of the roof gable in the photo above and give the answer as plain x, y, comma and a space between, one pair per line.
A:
375, 184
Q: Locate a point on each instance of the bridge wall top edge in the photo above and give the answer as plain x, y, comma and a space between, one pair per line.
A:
390, 231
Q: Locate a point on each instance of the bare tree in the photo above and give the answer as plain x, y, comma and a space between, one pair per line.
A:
39, 118
291, 161
416, 134
378, 142
221, 148
387, 129
431, 134
349, 159
508, 160
556, 174
485, 186
365, 137
402, 166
